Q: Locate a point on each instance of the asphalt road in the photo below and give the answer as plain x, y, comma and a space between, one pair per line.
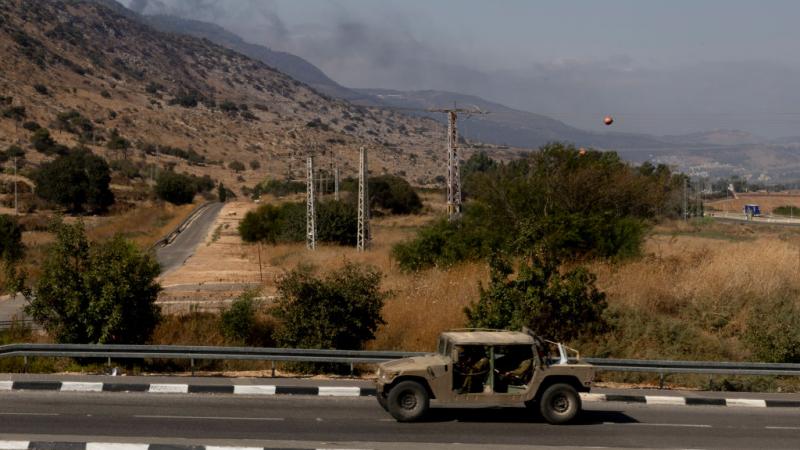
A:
361, 423
173, 255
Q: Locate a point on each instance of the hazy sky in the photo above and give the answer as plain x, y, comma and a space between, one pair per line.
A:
665, 67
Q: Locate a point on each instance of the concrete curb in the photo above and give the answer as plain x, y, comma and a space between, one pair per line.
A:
690, 401
177, 388
42, 445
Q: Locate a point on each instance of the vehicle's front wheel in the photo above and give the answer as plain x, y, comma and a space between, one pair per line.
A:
383, 401
408, 401
559, 403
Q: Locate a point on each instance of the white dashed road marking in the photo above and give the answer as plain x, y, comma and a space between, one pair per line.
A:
254, 390
77, 386
169, 388
336, 391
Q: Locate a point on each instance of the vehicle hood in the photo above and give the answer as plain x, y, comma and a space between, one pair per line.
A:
413, 363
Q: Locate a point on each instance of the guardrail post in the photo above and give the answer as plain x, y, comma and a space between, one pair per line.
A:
192, 362
24, 364
661, 380
273, 369
351, 369
108, 362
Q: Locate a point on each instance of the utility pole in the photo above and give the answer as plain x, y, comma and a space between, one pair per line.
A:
336, 183
453, 170
16, 209
685, 200
311, 226
363, 236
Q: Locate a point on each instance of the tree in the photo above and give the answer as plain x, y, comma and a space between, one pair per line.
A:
175, 188
11, 247
556, 305
339, 311
236, 166
95, 292
222, 193
74, 180
395, 194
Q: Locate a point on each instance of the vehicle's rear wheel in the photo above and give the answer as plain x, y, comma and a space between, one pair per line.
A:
559, 403
382, 401
408, 401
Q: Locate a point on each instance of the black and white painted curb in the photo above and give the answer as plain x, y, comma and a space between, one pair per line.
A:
178, 388
354, 391
664, 400
23, 445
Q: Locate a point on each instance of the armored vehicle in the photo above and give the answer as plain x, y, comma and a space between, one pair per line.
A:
491, 368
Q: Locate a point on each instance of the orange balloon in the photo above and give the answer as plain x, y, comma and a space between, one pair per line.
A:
608, 120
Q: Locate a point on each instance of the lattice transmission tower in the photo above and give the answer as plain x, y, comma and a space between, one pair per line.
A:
453, 165
311, 220
363, 236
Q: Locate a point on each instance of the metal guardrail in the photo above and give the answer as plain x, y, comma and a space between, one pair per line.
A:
5, 324
192, 353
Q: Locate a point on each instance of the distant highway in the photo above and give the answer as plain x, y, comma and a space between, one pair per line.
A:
174, 254
358, 422
766, 220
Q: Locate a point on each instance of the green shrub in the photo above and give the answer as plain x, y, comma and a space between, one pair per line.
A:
255, 165
340, 311
278, 188
31, 125
14, 151
238, 322
559, 201
787, 210
41, 89
773, 330
274, 224
117, 142
236, 166
175, 188
556, 305
125, 167
11, 247
337, 222
75, 180
95, 292
394, 194
15, 112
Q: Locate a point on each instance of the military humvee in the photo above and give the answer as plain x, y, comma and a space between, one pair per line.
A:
487, 367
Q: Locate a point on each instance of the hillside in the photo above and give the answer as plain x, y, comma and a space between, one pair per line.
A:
200, 105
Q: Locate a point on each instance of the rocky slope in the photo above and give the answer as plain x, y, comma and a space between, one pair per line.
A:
178, 92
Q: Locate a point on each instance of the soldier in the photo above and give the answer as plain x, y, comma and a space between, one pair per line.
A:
475, 368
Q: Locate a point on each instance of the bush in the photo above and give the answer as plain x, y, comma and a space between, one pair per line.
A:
773, 331
42, 141
14, 151
274, 224
175, 188
787, 210
95, 292
255, 165
337, 222
393, 193
236, 166
117, 142
41, 89
125, 167
74, 180
241, 324
73, 122
559, 201
558, 306
278, 188
339, 311
11, 247
187, 99
15, 112
31, 125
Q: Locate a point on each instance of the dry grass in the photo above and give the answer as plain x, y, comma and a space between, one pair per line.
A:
699, 287
767, 202
144, 224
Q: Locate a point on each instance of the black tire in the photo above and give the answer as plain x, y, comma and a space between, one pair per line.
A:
383, 401
408, 401
559, 403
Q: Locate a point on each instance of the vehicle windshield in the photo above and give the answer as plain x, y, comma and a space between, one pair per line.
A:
445, 347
